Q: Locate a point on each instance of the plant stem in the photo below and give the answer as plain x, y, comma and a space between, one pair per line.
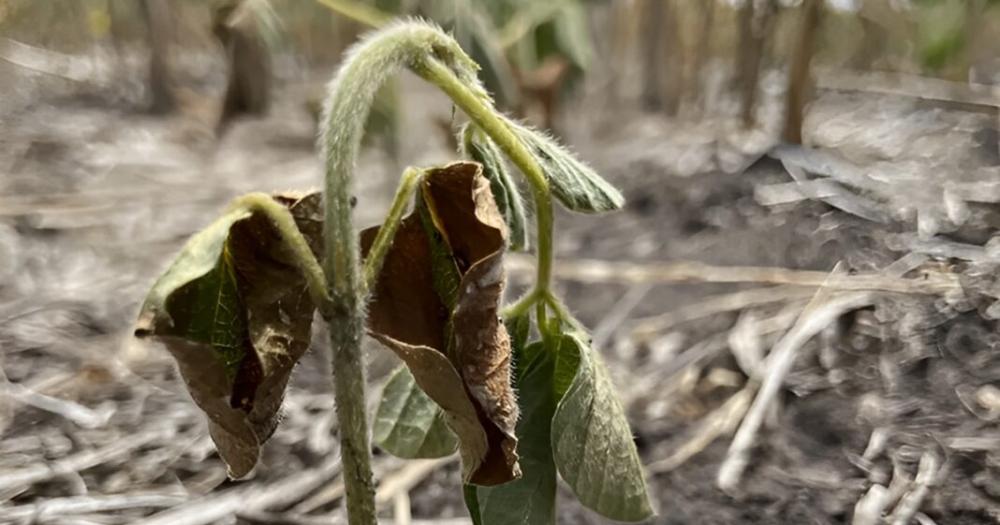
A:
367, 67
522, 305
562, 313
383, 240
290, 234
349, 393
351, 93
487, 118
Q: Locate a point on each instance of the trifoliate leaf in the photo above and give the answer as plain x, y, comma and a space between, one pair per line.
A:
591, 440
576, 185
532, 498
235, 313
450, 335
409, 424
481, 148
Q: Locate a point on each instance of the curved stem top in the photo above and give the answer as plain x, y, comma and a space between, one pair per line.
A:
368, 65
438, 58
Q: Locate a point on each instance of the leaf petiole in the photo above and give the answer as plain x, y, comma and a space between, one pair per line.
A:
383, 240
562, 313
284, 223
522, 305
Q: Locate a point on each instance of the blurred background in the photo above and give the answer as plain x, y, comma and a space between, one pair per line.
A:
761, 145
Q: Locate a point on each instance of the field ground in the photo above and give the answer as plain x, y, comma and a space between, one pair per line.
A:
721, 254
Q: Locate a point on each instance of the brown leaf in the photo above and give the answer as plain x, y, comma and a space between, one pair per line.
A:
235, 313
436, 305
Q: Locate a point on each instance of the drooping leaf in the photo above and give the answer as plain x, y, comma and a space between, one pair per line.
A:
576, 185
409, 424
449, 335
476, 235
235, 314
591, 440
532, 498
408, 317
481, 148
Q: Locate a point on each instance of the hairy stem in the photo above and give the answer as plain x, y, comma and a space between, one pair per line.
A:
522, 305
376, 256
283, 221
563, 314
438, 59
350, 95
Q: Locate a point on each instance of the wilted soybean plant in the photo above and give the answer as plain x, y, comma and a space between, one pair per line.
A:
236, 305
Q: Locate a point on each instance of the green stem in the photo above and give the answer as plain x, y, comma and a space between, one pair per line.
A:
486, 117
522, 305
350, 96
290, 234
440, 60
383, 240
562, 313
542, 320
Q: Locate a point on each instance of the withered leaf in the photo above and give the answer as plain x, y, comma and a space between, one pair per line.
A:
436, 306
235, 313
480, 147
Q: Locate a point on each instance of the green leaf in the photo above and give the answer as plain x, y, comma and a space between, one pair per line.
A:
567, 365
408, 424
480, 148
532, 498
471, 495
576, 185
198, 295
591, 440
235, 313
519, 329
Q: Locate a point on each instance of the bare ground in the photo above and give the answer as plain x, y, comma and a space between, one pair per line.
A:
893, 402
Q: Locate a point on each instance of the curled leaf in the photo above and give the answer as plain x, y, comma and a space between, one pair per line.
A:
435, 304
591, 440
235, 313
408, 423
576, 185
480, 147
